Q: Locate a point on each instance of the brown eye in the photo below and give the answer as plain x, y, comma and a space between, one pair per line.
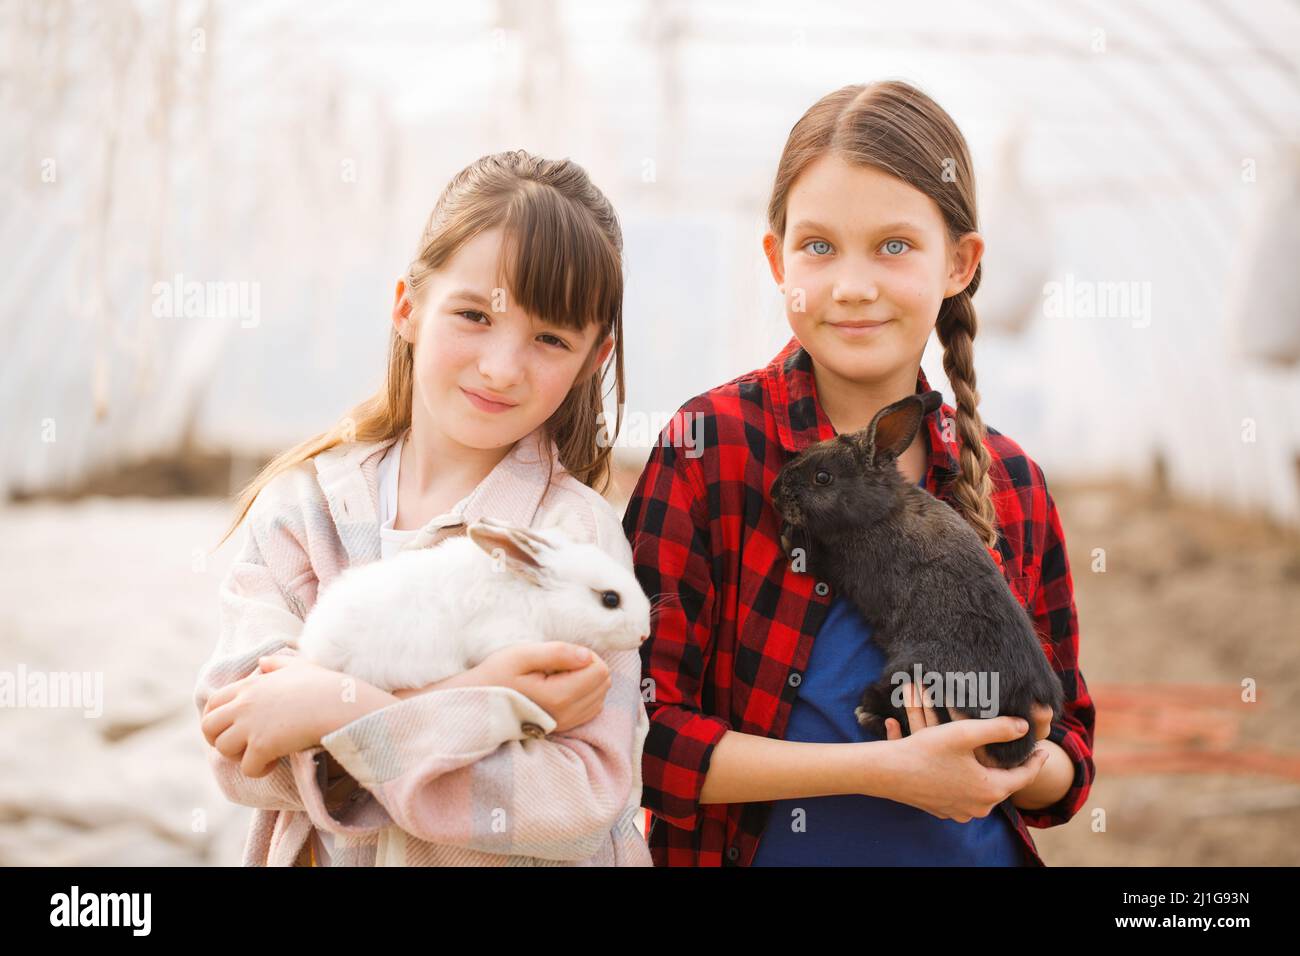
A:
822, 477
609, 599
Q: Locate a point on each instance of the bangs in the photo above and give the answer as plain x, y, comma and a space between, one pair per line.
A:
558, 263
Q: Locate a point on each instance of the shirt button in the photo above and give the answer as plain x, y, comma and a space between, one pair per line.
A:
794, 679
532, 730
733, 854
822, 588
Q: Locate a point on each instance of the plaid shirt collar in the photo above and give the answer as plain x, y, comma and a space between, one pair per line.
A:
801, 421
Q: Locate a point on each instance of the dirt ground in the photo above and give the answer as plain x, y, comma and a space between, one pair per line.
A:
1192, 602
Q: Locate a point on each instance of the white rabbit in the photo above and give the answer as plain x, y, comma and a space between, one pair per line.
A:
429, 613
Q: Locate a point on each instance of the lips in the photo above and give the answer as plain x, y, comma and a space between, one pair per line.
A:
487, 402
861, 324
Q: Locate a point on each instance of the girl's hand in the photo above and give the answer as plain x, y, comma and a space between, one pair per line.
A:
285, 706
567, 681
921, 715
939, 771
1040, 716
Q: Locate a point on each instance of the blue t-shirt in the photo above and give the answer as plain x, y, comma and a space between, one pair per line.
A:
853, 829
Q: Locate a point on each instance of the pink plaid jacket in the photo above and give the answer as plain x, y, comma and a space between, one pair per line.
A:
442, 778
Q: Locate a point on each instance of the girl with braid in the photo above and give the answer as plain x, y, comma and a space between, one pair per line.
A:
753, 668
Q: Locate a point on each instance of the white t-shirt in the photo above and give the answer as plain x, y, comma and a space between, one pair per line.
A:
390, 539
390, 466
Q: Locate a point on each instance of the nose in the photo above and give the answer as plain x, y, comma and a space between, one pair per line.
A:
502, 365
853, 285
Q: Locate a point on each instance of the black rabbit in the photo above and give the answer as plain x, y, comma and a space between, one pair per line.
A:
916, 571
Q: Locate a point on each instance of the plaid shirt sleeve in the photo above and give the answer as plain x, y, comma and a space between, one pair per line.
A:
667, 524
1056, 622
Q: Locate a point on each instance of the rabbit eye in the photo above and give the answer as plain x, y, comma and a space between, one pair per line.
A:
609, 598
822, 477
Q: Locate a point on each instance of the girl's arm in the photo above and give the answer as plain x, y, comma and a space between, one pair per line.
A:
747, 767
461, 765
936, 771
1052, 782
1065, 782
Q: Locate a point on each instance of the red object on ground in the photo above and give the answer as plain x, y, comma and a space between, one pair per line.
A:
1180, 728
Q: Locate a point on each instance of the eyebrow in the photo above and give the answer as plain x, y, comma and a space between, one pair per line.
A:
471, 296
901, 225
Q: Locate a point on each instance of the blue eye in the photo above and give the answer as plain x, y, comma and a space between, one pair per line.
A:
897, 242
812, 243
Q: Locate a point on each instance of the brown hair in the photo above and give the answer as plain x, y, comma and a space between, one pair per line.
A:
563, 262
894, 127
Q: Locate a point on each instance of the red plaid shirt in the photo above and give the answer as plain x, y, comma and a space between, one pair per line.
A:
727, 649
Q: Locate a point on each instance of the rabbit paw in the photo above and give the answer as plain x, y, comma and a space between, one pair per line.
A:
869, 721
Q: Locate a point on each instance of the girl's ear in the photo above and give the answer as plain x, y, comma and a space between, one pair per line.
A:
595, 359
963, 260
775, 262
403, 312
602, 353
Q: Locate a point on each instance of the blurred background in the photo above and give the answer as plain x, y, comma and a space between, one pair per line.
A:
1138, 173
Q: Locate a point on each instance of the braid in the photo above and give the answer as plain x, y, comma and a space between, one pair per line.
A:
973, 488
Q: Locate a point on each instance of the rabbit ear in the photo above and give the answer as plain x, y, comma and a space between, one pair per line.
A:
526, 536
520, 550
892, 430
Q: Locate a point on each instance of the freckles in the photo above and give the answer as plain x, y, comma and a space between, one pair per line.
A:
562, 377
453, 346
